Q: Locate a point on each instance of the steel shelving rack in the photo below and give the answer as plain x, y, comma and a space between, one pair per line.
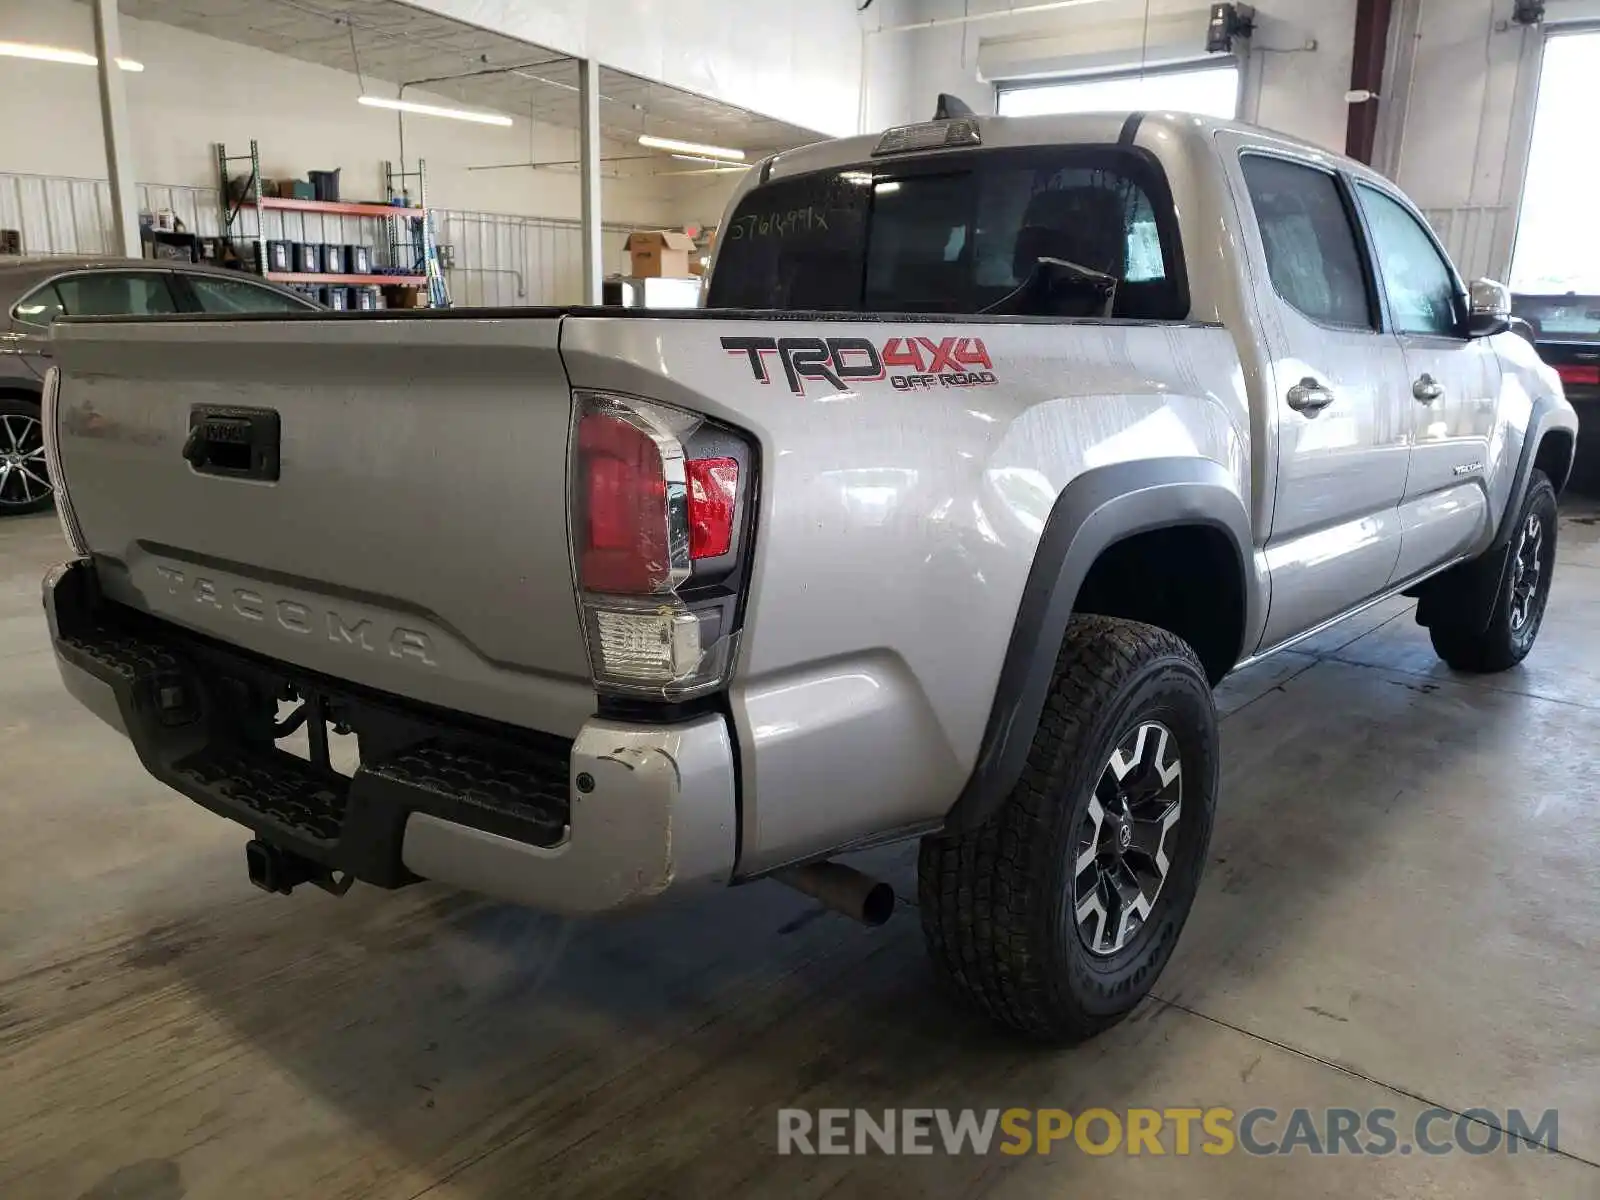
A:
410, 230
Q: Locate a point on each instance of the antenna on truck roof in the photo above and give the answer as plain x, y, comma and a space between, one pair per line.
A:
950, 107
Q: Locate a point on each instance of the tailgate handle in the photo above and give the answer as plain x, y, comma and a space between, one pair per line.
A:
235, 443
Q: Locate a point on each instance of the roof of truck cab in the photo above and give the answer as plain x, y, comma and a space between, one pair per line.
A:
1101, 128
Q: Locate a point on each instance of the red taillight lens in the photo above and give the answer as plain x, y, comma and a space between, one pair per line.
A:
657, 622
1582, 376
623, 542
713, 490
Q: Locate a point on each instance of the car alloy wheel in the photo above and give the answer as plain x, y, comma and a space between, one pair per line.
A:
1124, 839
1527, 568
24, 477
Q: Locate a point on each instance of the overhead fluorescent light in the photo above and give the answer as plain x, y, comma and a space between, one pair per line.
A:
57, 54
704, 151
717, 163
435, 110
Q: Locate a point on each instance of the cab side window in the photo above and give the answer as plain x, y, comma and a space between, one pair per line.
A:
1420, 285
117, 294
39, 307
1312, 255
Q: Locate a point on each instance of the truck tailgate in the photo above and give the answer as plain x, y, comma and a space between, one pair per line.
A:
415, 538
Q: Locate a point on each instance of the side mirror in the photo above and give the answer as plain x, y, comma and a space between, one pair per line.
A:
1488, 308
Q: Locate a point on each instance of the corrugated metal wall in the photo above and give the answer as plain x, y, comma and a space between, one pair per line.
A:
498, 259
516, 260
1478, 237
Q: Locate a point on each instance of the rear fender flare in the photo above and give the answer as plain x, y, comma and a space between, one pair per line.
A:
1096, 510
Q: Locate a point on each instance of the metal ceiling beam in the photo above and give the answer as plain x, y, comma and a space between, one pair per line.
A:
114, 126
1366, 75
589, 169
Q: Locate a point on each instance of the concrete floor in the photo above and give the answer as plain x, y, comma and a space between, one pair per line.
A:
1402, 910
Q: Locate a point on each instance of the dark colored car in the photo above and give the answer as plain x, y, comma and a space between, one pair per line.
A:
1566, 331
34, 291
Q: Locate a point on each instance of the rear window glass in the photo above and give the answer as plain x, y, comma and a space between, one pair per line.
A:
1086, 231
1571, 318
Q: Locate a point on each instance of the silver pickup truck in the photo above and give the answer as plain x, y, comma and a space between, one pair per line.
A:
998, 444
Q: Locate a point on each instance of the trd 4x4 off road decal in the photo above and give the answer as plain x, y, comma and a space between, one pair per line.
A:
841, 362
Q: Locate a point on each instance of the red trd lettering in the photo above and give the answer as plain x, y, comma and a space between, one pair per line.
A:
942, 353
902, 352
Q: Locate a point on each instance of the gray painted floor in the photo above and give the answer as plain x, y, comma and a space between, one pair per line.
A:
1402, 911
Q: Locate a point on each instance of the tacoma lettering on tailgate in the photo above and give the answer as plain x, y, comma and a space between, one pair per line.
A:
296, 617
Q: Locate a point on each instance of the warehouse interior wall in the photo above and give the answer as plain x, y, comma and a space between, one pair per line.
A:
1296, 66
798, 62
1460, 91
196, 91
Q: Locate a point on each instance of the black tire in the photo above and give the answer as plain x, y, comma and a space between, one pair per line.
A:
1520, 603
24, 479
998, 903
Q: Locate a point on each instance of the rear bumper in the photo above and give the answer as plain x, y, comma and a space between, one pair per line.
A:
609, 820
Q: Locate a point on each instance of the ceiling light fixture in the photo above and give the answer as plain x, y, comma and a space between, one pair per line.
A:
435, 110
704, 151
57, 54
720, 163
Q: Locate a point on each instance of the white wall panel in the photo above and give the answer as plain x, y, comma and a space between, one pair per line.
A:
196, 91
798, 62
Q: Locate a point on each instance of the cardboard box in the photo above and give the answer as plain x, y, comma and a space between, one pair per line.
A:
404, 296
659, 253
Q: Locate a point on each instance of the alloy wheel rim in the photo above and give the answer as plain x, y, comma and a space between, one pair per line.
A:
1527, 568
24, 476
1121, 845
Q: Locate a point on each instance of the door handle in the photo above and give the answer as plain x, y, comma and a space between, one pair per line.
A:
1427, 389
1309, 397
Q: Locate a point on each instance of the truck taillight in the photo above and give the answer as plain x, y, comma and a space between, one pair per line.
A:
713, 494
658, 501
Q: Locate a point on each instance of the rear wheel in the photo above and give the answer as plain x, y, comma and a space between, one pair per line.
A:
1523, 596
1055, 917
24, 479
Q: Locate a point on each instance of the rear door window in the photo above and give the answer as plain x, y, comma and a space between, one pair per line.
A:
220, 295
1310, 241
961, 235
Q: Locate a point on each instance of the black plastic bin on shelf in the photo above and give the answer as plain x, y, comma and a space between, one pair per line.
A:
358, 260
280, 256
325, 183
308, 258
333, 259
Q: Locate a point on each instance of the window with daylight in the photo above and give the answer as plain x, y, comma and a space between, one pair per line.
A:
1211, 90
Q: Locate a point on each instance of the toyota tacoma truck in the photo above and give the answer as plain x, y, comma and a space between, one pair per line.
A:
998, 444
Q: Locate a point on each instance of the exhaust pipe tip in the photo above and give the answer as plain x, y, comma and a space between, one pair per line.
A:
878, 905
843, 889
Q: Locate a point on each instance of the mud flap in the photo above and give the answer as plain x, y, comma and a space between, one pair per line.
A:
1464, 596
